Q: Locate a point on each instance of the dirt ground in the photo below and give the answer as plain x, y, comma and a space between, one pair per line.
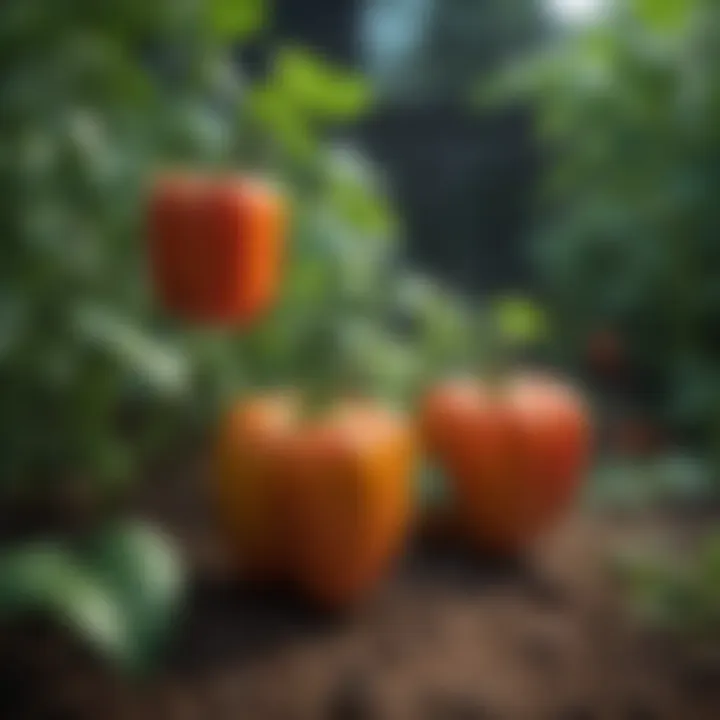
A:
448, 637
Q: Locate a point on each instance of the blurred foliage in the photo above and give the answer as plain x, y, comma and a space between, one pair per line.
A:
651, 483
96, 97
119, 590
628, 114
520, 320
676, 592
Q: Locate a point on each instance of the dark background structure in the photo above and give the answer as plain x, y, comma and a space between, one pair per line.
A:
463, 183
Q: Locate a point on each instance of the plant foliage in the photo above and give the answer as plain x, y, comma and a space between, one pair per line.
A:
97, 97
119, 590
627, 112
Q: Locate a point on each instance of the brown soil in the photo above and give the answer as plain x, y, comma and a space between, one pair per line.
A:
449, 637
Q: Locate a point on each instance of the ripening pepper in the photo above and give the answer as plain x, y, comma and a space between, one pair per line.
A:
322, 501
514, 454
216, 247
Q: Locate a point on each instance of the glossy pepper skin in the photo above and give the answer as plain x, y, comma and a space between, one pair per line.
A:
216, 247
323, 501
514, 455
248, 495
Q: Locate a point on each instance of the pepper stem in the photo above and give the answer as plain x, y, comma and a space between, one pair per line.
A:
333, 368
492, 352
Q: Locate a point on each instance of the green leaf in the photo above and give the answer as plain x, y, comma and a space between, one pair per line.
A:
351, 96
319, 88
120, 592
236, 19
144, 576
29, 574
353, 190
664, 15
87, 608
288, 127
45, 577
520, 321
163, 367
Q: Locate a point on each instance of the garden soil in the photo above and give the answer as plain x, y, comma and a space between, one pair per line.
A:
450, 636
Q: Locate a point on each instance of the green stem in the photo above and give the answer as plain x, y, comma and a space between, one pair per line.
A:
323, 358
492, 353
